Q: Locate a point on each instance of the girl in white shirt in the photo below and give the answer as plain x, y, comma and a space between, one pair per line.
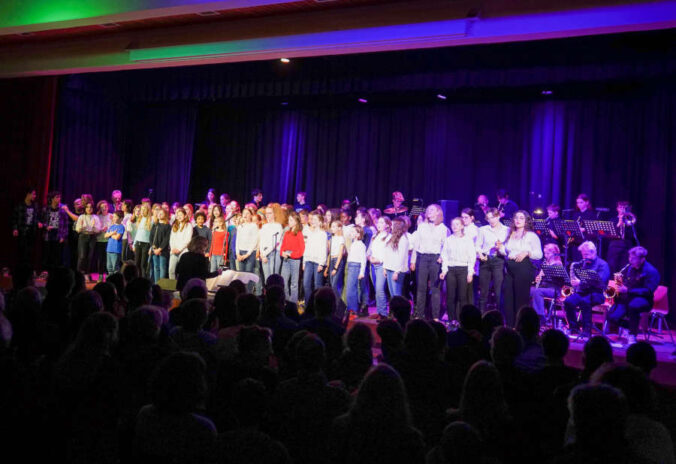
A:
472, 231
270, 239
356, 268
88, 226
522, 246
335, 264
457, 267
376, 255
246, 243
395, 259
314, 256
181, 234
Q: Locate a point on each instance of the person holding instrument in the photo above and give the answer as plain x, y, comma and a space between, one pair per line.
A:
397, 207
618, 249
635, 287
544, 288
489, 240
585, 295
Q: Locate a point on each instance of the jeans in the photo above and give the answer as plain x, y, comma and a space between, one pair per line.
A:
248, 265
584, 303
632, 308
380, 282
113, 262
159, 267
364, 287
290, 273
173, 261
456, 286
312, 279
491, 269
100, 257
273, 265
353, 286
337, 280
214, 263
395, 286
538, 295
427, 270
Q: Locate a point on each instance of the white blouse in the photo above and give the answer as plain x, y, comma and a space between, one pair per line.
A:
316, 246
180, 239
357, 254
396, 260
88, 223
429, 238
529, 242
336, 242
377, 247
458, 251
247, 237
268, 240
485, 242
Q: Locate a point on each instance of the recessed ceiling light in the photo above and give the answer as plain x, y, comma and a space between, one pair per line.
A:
285, 60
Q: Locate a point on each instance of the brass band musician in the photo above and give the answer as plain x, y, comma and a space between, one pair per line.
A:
635, 290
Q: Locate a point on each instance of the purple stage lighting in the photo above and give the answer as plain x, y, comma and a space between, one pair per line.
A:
363, 100
441, 97
547, 92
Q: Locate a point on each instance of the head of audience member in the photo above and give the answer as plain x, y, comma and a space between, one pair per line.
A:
310, 354
420, 340
96, 336
144, 324
482, 402
506, 346
359, 339
25, 319
238, 286
250, 402
274, 280
248, 309
391, 338
381, 404
288, 361
178, 385
324, 303
254, 345
198, 244
60, 282
599, 414
163, 298
597, 351
79, 283
225, 309
460, 442
23, 275
643, 356
555, 346
138, 293
82, 306
490, 321
130, 271
117, 280
400, 308
194, 288
528, 323
632, 382
441, 333
470, 318
273, 306
193, 314
108, 294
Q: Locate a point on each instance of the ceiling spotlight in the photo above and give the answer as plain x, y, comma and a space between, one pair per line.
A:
285, 103
547, 92
362, 100
441, 97
285, 60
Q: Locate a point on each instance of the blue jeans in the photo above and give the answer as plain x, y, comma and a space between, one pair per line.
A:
311, 279
112, 262
248, 265
290, 271
395, 286
160, 269
215, 262
380, 282
338, 280
353, 286
539, 294
364, 286
273, 265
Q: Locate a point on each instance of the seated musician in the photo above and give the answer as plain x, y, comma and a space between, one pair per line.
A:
553, 213
506, 207
635, 291
586, 295
544, 288
397, 207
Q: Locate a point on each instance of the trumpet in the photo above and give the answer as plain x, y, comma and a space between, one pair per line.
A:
610, 293
627, 218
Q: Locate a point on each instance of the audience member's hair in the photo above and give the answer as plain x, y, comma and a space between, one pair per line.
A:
249, 402
193, 314
440, 330
359, 338
490, 321
470, 317
506, 345
130, 271
178, 385
420, 339
275, 299
108, 295
254, 340
194, 288
555, 344
144, 323
461, 443
528, 323
117, 280
60, 282
138, 292
248, 309
482, 403
310, 354
597, 351
632, 382
198, 244
324, 302
225, 310
23, 275
82, 306
274, 280
643, 356
400, 308
238, 286
80, 284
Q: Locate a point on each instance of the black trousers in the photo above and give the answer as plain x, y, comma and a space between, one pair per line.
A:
632, 307
492, 269
100, 257
517, 288
427, 269
26, 246
141, 258
86, 244
456, 287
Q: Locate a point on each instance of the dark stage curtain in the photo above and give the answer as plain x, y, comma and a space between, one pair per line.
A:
27, 112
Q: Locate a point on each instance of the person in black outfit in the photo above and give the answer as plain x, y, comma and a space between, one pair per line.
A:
257, 198
618, 249
301, 202
506, 207
25, 223
635, 295
56, 224
159, 246
194, 263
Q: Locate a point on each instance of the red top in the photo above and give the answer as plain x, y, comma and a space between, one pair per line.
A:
218, 242
295, 243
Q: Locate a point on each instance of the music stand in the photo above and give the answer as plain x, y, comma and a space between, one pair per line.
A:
541, 228
588, 278
417, 209
602, 230
556, 274
568, 231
